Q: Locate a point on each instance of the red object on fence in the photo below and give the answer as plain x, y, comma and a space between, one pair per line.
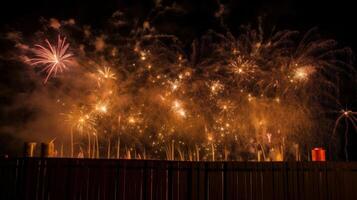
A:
318, 154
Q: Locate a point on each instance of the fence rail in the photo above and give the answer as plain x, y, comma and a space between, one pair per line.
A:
102, 179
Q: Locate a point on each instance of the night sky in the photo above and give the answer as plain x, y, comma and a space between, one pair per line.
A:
333, 19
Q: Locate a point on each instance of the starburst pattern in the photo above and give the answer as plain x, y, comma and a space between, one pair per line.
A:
53, 58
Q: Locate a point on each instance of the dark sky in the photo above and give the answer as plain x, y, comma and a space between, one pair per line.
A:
334, 19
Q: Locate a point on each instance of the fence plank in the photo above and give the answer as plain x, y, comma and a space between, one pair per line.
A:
8, 177
93, 179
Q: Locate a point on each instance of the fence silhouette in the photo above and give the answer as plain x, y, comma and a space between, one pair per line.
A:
102, 179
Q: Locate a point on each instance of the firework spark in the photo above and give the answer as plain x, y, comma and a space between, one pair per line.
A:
53, 58
303, 73
106, 73
178, 109
81, 121
349, 117
101, 107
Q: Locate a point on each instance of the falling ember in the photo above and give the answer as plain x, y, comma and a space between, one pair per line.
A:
53, 59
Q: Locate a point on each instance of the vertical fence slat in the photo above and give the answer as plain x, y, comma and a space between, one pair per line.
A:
173, 181
241, 180
160, 181
148, 180
215, 180
231, 181
193, 174
202, 183
9, 178
184, 187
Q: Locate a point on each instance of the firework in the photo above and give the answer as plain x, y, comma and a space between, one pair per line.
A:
303, 73
105, 73
349, 117
248, 95
83, 123
178, 109
101, 107
53, 58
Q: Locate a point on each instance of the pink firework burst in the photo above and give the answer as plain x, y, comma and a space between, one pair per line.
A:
52, 58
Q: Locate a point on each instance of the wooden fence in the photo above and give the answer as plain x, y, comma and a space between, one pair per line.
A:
101, 179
